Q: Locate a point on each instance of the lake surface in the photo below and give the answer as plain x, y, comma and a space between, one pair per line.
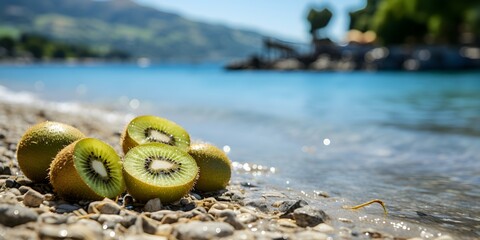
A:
410, 139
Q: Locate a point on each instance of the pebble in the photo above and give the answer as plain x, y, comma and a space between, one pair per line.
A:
10, 183
288, 206
153, 205
8, 198
33, 198
5, 170
51, 218
109, 218
104, 207
159, 215
15, 191
230, 217
202, 230
13, 215
309, 216
259, 204
324, 228
66, 208
246, 218
164, 230
144, 237
24, 189
445, 237
311, 235
145, 225
128, 220
63, 231
24, 181
93, 225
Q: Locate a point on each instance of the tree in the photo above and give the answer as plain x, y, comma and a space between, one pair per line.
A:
318, 20
421, 21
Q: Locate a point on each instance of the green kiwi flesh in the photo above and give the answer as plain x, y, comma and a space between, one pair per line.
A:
215, 167
145, 129
87, 169
157, 170
40, 144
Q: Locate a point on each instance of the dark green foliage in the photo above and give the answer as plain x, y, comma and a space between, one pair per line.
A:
419, 21
8, 44
41, 48
318, 20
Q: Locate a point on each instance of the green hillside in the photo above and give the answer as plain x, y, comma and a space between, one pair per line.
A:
127, 26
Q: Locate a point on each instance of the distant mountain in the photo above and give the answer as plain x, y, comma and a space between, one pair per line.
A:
125, 25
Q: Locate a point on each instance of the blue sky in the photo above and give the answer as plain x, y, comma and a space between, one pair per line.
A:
283, 18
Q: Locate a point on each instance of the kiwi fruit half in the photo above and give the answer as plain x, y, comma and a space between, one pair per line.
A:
157, 170
145, 129
87, 169
215, 167
40, 144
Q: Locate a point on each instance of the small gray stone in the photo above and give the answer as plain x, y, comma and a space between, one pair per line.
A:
444, 237
309, 216
110, 218
33, 198
159, 215
93, 225
10, 183
144, 225
311, 235
144, 237
230, 217
51, 218
15, 191
104, 207
324, 228
128, 220
24, 189
289, 206
246, 218
66, 207
13, 215
63, 231
24, 181
8, 197
153, 205
5, 170
259, 204
49, 197
202, 230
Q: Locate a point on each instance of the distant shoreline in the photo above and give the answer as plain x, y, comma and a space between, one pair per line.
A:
364, 57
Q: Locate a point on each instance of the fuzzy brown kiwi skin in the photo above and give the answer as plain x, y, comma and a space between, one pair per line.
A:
215, 169
126, 141
64, 177
39, 145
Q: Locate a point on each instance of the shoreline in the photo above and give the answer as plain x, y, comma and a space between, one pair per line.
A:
247, 210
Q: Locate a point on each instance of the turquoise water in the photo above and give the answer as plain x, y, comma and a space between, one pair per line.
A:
410, 139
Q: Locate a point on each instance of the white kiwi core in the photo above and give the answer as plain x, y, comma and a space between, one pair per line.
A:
158, 165
158, 136
99, 168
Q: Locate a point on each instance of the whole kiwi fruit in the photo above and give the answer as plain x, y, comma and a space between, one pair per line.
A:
87, 169
145, 129
40, 144
157, 170
215, 167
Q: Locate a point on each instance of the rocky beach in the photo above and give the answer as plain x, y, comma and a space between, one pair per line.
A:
247, 209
